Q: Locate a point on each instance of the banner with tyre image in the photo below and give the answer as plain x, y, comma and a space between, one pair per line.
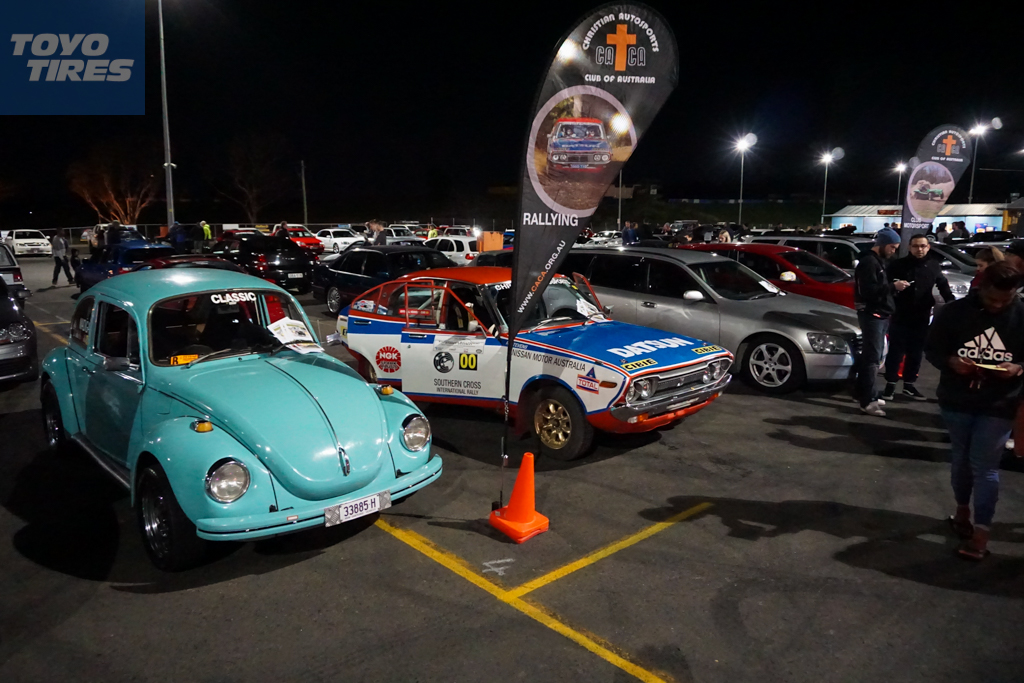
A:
942, 157
607, 80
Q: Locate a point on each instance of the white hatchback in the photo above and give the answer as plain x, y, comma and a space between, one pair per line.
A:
339, 239
28, 242
458, 248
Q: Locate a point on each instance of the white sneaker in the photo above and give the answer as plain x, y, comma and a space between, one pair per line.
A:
874, 408
1009, 444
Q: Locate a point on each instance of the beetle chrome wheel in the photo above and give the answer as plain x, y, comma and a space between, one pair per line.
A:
155, 515
552, 423
770, 365
51, 421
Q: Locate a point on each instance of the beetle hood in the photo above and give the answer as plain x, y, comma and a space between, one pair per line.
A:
293, 414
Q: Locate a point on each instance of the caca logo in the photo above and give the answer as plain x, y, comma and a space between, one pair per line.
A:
389, 359
986, 346
948, 146
92, 45
619, 48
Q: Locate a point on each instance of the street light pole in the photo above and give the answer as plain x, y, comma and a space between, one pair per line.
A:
824, 192
900, 168
305, 212
168, 166
619, 224
974, 165
739, 220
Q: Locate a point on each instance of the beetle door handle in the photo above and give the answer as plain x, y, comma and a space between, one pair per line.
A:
649, 304
88, 371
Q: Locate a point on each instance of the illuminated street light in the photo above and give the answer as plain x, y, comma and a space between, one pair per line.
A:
742, 145
168, 166
900, 168
827, 158
978, 132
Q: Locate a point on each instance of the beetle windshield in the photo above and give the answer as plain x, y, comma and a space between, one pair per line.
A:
230, 323
561, 301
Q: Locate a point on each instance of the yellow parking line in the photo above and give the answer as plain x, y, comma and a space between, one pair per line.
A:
61, 339
541, 615
593, 557
59, 322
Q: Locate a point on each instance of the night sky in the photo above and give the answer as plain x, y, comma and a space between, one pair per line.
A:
416, 101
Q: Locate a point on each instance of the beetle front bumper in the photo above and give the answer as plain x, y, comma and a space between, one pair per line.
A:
253, 527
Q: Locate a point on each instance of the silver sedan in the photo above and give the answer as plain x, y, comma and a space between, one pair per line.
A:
780, 340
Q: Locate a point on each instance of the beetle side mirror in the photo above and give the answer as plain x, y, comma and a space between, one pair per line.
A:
115, 364
856, 262
333, 339
693, 295
788, 276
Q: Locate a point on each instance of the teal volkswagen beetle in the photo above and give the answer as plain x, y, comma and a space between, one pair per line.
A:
206, 394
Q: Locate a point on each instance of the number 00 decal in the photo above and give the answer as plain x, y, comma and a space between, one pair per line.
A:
467, 361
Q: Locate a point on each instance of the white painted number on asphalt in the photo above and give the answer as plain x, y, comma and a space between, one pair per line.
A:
499, 567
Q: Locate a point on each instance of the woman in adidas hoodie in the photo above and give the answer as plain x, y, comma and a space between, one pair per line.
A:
978, 344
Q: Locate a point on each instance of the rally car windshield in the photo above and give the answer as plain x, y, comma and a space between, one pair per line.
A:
197, 327
561, 301
579, 131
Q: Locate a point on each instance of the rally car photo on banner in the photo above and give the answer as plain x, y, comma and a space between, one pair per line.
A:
441, 336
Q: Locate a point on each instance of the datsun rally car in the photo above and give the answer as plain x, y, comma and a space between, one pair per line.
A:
205, 393
578, 144
441, 336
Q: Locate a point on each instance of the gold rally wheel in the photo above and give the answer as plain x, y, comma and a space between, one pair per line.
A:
561, 425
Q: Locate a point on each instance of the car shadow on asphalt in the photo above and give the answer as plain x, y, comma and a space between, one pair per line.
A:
899, 544
476, 433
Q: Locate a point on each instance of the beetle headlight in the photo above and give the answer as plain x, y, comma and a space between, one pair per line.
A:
18, 332
227, 481
416, 432
827, 343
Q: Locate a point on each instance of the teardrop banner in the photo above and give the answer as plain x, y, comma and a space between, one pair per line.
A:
609, 77
943, 156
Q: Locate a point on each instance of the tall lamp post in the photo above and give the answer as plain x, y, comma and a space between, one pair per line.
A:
978, 131
168, 166
827, 158
900, 168
742, 145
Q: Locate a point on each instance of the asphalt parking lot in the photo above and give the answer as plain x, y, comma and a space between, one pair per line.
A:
763, 539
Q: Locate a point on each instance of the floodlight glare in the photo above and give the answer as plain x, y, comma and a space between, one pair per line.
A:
901, 167
568, 51
742, 146
979, 129
620, 123
826, 159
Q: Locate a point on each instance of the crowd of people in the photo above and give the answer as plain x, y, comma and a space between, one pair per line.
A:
977, 344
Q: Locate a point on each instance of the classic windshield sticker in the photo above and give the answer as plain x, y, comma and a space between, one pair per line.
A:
707, 349
637, 364
184, 359
232, 297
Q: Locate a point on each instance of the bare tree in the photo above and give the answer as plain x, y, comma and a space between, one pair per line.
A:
257, 172
118, 179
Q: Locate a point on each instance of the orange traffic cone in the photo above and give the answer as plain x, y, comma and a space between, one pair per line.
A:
519, 520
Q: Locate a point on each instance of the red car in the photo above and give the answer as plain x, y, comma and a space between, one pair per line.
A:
790, 269
302, 237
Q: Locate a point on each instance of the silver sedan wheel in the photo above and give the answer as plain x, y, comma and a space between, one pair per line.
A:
770, 365
333, 300
337, 249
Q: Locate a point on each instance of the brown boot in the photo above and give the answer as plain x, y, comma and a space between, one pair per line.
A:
961, 522
977, 547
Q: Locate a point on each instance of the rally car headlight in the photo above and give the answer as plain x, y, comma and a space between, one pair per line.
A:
416, 432
642, 389
717, 368
227, 481
827, 343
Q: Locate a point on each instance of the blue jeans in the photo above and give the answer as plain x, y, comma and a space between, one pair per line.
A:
977, 444
872, 344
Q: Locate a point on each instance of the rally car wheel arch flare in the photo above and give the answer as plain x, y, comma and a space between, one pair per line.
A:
770, 364
552, 423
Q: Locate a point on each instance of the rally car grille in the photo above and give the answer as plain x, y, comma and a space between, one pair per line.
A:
673, 383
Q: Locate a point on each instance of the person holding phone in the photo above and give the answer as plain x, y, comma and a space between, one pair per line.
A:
977, 343
908, 326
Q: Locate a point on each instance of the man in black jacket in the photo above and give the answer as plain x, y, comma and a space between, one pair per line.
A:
873, 297
978, 344
908, 326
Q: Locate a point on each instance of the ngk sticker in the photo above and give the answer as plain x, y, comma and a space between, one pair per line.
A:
389, 359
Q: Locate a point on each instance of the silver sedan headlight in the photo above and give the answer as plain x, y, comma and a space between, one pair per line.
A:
827, 343
18, 332
227, 481
416, 432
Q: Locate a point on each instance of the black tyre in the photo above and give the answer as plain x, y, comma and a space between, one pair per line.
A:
168, 535
773, 365
53, 423
561, 426
334, 300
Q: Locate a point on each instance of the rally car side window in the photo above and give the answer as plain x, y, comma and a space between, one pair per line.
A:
80, 323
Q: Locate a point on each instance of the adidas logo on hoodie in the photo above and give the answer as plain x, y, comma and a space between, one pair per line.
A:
986, 346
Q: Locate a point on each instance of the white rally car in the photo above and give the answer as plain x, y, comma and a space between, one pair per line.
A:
440, 336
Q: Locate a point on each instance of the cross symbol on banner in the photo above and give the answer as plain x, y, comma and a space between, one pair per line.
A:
620, 39
948, 141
